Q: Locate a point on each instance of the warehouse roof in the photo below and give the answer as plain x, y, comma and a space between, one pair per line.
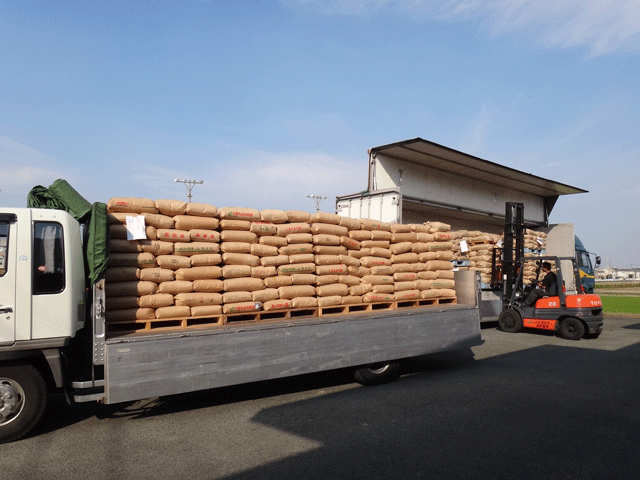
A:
432, 155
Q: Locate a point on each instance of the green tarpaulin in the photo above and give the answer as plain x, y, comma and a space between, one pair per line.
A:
62, 196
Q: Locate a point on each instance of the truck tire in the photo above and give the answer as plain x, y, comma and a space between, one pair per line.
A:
510, 321
378, 373
571, 329
23, 398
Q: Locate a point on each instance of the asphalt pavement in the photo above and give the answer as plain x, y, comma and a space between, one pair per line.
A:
521, 406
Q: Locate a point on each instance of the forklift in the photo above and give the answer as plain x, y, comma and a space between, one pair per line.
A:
572, 316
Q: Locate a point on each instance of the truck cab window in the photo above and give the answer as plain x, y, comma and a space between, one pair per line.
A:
4, 238
48, 258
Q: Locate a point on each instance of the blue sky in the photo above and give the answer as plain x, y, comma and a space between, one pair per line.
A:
266, 101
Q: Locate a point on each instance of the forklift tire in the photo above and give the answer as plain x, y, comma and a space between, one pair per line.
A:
23, 398
571, 329
378, 373
510, 321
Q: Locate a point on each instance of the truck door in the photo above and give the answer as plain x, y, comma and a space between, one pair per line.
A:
8, 242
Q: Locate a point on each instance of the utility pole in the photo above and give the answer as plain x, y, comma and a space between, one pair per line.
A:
189, 184
317, 198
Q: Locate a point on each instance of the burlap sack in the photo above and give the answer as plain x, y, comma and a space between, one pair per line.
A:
293, 291
337, 269
326, 239
352, 300
402, 286
120, 303
429, 294
278, 281
400, 228
377, 297
242, 307
286, 229
378, 279
428, 275
407, 295
238, 236
439, 265
206, 310
436, 246
419, 247
173, 262
139, 260
405, 276
382, 270
425, 257
194, 299
400, 248
241, 259
190, 222
228, 224
173, 235
263, 228
330, 250
381, 252
175, 287
404, 237
131, 204
296, 248
152, 219
237, 271
157, 275
364, 252
120, 231
201, 209
350, 223
350, 243
324, 217
274, 261
442, 283
249, 284
447, 293
422, 284
438, 227
235, 247
375, 244
448, 274
419, 228
349, 260
405, 258
265, 295
239, 213
381, 236
195, 248
359, 271
329, 229
173, 312
359, 290
370, 224
383, 289
198, 273
302, 258
280, 304
406, 267
303, 279
205, 259
304, 302
122, 274
129, 315
199, 235
442, 237
171, 208
212, 285
330, 301
297, 216
374, 261
263, 250
133, 288
296, 268
425, 237
263, 272
327, 259
444, 255
273, 241
237, 297
156, 300
327, 279
274, 216
299, 238
360, 235
349, 280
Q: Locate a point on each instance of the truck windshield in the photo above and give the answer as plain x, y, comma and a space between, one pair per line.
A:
4, 235
584, 261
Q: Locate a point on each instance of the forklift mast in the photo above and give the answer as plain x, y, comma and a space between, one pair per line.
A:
512, 251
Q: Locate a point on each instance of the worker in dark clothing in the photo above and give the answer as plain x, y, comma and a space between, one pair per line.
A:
547, 287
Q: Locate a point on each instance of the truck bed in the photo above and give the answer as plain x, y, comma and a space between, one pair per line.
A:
157, 364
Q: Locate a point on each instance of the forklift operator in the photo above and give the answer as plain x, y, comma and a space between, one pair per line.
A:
547, 287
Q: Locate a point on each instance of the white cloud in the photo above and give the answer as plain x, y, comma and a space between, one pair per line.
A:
23, 167
602, 26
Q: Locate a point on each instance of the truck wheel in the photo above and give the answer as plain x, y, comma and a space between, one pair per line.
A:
23, 398
571, 329
510, 321
378, 373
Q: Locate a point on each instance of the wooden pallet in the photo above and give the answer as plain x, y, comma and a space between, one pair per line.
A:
182, 323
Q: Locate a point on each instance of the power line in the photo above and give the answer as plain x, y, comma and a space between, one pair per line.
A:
189, 184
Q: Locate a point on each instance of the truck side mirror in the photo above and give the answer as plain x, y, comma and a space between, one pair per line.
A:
598, 261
